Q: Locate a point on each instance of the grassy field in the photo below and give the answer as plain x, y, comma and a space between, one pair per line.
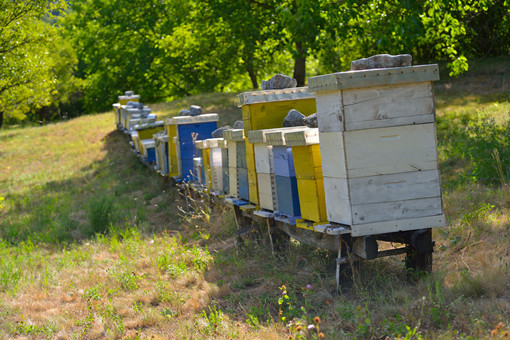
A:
93, 244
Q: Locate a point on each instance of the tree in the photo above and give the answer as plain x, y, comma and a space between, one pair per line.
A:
25, 78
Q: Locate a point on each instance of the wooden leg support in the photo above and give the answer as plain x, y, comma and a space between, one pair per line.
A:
342, 261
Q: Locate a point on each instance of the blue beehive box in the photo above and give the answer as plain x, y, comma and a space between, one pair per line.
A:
189, 130
288, 197
283, 163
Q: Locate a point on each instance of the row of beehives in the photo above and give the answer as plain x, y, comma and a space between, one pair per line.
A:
370, 167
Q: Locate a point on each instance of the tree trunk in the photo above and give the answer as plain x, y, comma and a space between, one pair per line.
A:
300, 65
253, 76
1, 118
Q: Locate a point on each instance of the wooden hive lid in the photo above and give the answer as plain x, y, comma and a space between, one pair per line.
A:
148, 143
160, 136
267, 96
304, 137
278, 137
205, 118
259, 136
201, 144
235, 135
374, 77
147, 126
116, 105
135, 96
216, 142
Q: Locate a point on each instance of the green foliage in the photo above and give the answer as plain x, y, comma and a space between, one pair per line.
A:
100, 213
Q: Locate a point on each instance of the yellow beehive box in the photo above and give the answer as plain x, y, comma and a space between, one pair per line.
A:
266, 110
173, 162
308, 168
146, 131
128, 97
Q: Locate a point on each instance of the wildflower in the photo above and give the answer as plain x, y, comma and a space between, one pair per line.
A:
499, 326
310, 327
299, 328
321, 335
309, 286
317, 319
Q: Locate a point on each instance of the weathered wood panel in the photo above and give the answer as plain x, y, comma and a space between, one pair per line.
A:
385, 106
330, 111
262, 163
265, 191
333, 154
338, 204
397, 210
398, 225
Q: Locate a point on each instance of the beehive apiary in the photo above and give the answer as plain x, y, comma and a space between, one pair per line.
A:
148, 150
287, 195
129, 96
308, 169
203, 152
146, 131
218, 160
161, 140
238, 175
266, 110
183, 131
379, 150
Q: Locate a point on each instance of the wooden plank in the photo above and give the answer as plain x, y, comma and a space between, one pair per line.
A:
330, 111
373, 77
232, 180
390, 150
400, 225
307, 161
267, 96
396, 210
338, 204
312, 200
232, 154
252, 174
333, 154
395, 187
385, 106
203, 118
304, 137
265, 191
262, 160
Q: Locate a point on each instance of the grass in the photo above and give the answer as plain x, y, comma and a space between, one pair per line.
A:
93, 245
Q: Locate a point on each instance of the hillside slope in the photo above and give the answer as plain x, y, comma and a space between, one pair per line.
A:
93, 244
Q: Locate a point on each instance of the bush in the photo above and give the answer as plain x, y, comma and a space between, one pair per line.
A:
100, 213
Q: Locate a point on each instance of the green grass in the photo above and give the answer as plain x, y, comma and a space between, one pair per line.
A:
93, 245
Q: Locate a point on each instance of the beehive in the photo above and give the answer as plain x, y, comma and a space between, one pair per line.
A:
238, 175
136, 116
218, 161
146, 131
264, 167
203, 152
161, 140
135, 141
287, 195
148, 147
266, 110
308, 169
198, 170
116, 112
379, 151
124, 99
183, 131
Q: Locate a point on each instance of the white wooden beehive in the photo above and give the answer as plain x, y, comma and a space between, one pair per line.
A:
379, 149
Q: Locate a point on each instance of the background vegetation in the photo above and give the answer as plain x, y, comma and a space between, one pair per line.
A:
65, 58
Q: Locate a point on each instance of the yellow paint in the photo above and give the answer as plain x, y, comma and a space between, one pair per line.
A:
307, 161
207, 168
252, 174
312, 199
307, 224
270, 115
249, 207
125, 101
173, 160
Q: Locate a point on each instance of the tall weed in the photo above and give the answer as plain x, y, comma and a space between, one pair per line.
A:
100, 213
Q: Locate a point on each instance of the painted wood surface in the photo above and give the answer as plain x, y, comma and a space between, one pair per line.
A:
262, 157
252, 173
400, 225
330, 111
312, 199
338, 204
270, 115
232, 154
283, 161
217, 178
333, 152
307, 161
395, 187
287, 195
384, 106
396, 210
232, 181
242, 184
265, 189
308, 136
173, 169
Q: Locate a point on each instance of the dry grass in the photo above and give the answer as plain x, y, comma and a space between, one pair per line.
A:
160, 273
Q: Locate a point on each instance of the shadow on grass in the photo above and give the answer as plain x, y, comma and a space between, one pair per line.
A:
117, 190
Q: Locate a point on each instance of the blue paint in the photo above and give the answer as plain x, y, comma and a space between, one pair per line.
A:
283, 162
151, 155
242, 183
188, 133
287, 196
